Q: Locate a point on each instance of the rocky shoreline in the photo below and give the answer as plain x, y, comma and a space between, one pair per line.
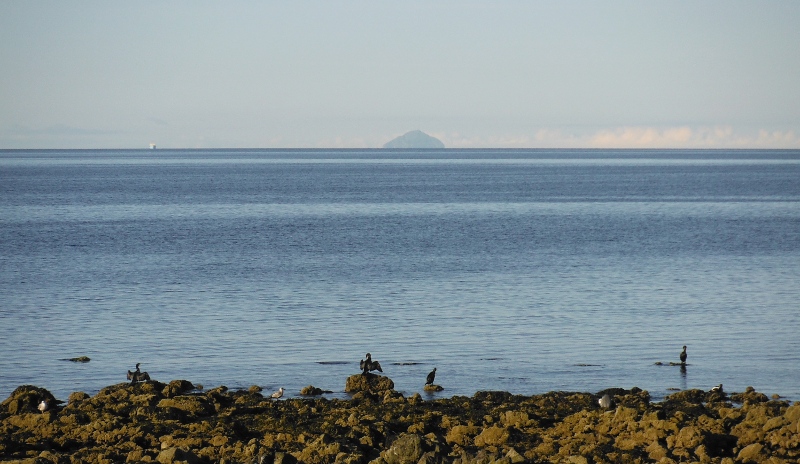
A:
175, 422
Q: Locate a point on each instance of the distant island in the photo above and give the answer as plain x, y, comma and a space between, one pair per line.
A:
414, 139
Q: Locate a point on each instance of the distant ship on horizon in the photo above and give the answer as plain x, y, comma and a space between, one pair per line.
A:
152, 146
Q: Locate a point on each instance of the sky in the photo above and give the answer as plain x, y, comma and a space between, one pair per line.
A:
355, 74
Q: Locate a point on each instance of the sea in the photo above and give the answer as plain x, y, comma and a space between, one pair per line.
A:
525, 271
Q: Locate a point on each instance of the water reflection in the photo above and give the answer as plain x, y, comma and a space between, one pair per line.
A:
683, 377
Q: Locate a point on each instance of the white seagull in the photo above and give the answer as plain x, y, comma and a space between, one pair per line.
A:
43, 406
278, 393
605, 402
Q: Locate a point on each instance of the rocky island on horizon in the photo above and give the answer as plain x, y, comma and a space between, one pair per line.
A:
178, 422
414, 139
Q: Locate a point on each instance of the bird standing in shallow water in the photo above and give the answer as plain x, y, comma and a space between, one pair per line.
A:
683, 355
431, 376
278, 393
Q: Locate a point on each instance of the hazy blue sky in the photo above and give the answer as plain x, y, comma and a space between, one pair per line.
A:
97, 74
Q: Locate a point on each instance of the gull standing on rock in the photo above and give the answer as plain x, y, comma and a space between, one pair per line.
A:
605, 402
278, 393
431, 376
43, 406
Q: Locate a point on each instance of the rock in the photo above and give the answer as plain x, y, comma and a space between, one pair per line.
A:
314, 391
80, 359
177, 387
368, 382
407, 449
461, 435
514, 456
749, 397
433, 388
26, 398
194, 405
77, 397
792, 413
139, 423
284, 458
688, 396
492, 436
175, 455
750, 453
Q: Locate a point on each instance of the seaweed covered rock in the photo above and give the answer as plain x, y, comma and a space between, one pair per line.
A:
26, 399
148, 422
368, 382
313, 391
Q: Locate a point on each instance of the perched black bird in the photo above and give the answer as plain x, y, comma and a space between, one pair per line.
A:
369, 365
683, 355
138, 376
431, 376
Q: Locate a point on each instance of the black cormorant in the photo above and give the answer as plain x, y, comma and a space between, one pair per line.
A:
431, 376
369, 365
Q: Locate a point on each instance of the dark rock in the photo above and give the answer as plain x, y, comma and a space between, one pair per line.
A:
284, 458
255, 389
177, 387
749, 396
313, 391
193, 405
77, 397
26, 398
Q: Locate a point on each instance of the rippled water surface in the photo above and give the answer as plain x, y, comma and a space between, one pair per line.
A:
525, 271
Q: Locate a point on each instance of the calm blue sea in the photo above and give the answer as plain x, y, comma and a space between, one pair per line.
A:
518, 270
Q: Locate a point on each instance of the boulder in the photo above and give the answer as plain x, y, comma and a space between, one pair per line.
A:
26, 398
77, 397
433, 388
368, 382
750, 453
193, 405
492, 436
313, 391
177, 387
407, 449
175, 455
